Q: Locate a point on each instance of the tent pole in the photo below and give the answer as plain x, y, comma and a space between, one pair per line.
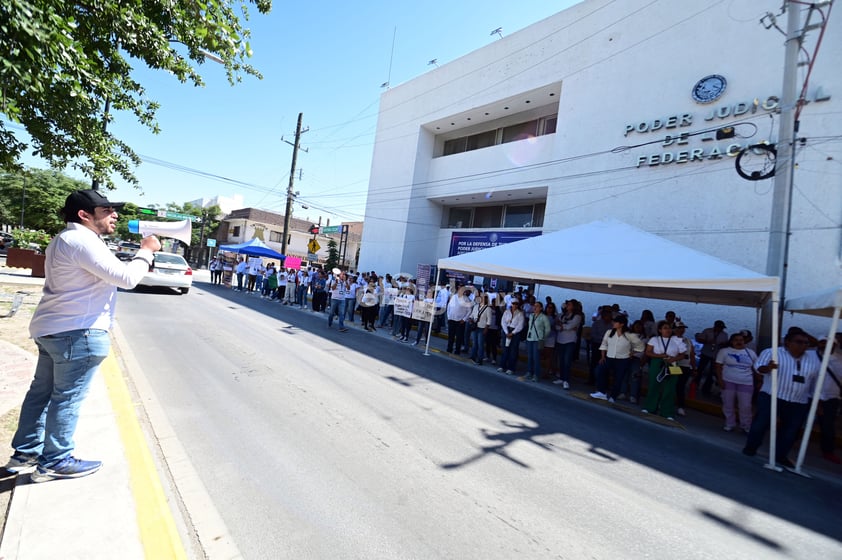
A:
773, 424
811, 417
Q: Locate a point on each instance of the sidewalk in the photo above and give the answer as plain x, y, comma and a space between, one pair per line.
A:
121, 511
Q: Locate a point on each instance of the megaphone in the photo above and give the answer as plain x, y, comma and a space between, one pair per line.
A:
179, 230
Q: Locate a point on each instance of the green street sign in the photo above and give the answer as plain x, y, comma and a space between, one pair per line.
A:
160, 213
180, 216
331, 229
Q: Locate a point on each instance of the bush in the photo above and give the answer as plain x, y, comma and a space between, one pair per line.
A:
23, 237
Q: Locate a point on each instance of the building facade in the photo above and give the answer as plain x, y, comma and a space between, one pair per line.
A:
614, 109
245, 224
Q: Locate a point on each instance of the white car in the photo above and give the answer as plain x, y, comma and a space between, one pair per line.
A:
169, 270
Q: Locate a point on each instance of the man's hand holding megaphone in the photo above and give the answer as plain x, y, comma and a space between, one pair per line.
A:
152, 243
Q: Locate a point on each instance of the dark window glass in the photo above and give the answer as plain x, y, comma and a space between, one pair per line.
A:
235, 231
275, 236
520, 131
482, 140
550, 124
455, 146
459, 218
488, 216
538, 215
518, 216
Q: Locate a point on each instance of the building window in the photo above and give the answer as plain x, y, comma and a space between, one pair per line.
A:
520, 131
518, 216
276, 236
455, 146
488, 216
459, 218
235, 231
513, 216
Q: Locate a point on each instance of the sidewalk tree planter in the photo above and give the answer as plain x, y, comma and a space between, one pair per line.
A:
26, 258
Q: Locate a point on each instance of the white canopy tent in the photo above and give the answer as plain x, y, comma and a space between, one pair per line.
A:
825, 304
612, 257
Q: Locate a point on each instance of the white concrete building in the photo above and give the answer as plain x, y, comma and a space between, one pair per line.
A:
611, 109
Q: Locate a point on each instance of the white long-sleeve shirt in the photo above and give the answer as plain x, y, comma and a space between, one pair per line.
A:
82, 277
512, 322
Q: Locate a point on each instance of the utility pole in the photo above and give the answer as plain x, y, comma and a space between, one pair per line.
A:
288, 213
778, 253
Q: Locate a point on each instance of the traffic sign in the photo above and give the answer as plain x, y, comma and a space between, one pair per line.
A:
313, 246
312, 257
211, 242
331, 229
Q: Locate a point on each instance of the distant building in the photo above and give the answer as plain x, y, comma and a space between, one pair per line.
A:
245, 224
225, 203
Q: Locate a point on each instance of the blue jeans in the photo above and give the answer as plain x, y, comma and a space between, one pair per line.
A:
565, 353
240, 281
66, 364
477, 344
302, 295
385, 312
533, 358
350, 308
337, 307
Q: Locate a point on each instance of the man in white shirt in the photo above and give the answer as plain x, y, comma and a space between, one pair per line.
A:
70, 327
338, 287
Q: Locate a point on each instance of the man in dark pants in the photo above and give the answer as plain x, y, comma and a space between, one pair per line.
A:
798, 371
458, 311
599, 327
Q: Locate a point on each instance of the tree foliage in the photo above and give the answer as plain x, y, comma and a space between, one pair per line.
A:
332, 260
65, 67
40, 193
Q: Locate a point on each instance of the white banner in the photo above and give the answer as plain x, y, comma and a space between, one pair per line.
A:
403, 306
423, 310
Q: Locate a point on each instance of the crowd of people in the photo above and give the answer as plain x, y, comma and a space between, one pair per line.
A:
625, 358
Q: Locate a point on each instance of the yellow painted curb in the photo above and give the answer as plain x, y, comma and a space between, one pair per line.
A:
158, 532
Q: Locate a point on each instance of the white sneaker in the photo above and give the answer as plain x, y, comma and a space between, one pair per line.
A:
611, 400
599, 395
565, 385
501, 370
681, 412
557, 381
509, 372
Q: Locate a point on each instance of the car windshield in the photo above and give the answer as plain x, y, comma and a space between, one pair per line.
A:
169, 259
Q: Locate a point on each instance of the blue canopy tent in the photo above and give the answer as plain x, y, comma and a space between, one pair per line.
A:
253, 248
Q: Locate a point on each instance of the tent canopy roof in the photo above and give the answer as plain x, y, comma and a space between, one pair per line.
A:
611, 257
253, 248
820, 303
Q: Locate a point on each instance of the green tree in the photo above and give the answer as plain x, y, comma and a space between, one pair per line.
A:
332, 254
40, 193
66, 66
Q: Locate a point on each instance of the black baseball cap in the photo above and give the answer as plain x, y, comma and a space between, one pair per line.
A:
86, 200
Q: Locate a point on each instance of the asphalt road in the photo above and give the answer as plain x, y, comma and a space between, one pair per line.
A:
316, 444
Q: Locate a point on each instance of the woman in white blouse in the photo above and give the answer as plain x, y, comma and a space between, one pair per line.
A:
664, 350
617, 348
735, 374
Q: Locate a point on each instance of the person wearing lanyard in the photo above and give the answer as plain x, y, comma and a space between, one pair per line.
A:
798, 371
617, 348
664, 350
735, 375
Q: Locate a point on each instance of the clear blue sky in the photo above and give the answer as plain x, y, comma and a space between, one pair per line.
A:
326, 60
